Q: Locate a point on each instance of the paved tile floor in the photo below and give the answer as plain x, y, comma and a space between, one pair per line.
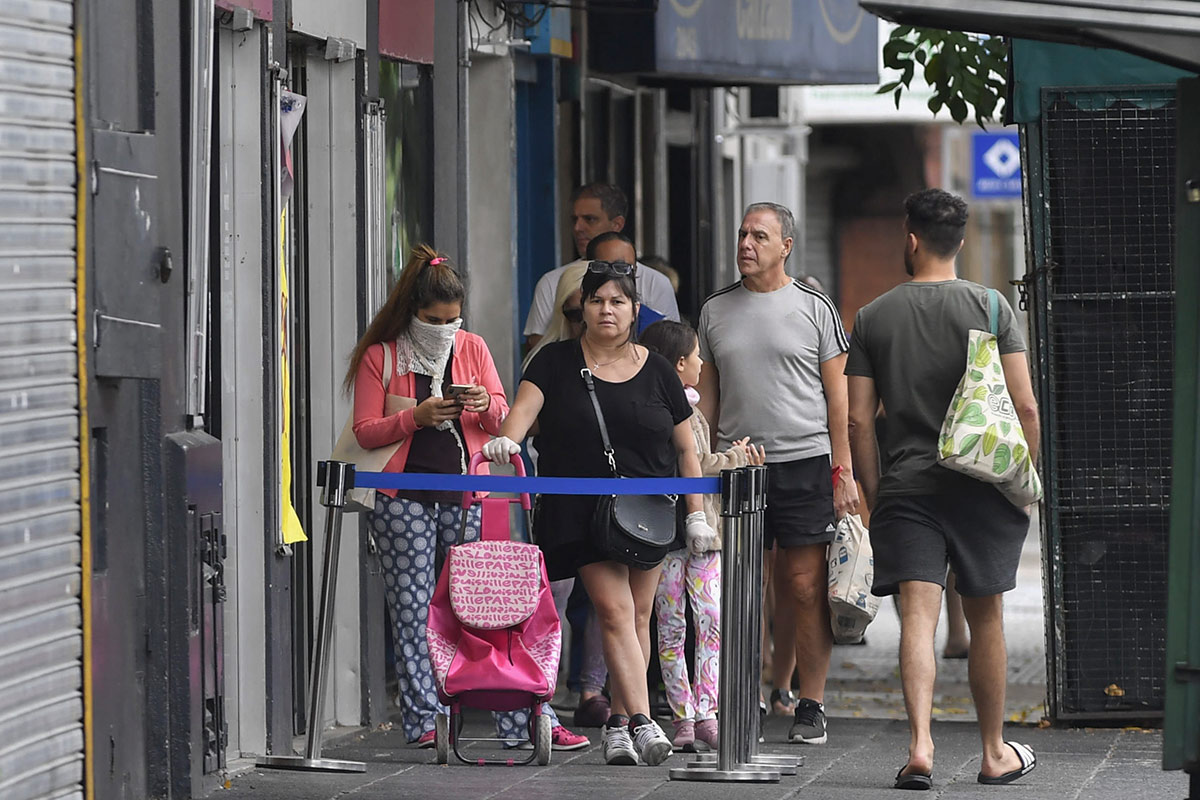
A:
860, 761
868, 741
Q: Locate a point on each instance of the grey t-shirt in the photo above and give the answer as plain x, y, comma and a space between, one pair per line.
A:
768, 348
913, 342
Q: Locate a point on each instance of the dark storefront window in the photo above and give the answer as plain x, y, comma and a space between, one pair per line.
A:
407, 91
611, 138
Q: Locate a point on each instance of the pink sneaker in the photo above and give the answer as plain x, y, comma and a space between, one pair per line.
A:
427, 740
563, 739
706, 734
685, 736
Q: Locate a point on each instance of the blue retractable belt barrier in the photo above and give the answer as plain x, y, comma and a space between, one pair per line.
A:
513, 484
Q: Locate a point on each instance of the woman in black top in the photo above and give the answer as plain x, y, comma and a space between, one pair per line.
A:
647, 414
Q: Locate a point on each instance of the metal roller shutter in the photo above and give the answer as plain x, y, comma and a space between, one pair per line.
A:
41, 644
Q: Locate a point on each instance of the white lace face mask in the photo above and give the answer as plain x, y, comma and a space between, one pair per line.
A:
430, 348
425, 349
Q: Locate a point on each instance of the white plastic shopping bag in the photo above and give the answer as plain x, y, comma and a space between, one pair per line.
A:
851, 570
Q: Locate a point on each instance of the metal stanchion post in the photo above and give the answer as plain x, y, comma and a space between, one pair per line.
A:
747, 702
338, 479
730, 764
756, 506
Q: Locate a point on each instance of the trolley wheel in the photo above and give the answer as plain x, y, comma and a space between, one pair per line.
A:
441, 738
541, 742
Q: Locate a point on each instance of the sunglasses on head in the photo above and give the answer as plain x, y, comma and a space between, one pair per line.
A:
610, 267
573, 314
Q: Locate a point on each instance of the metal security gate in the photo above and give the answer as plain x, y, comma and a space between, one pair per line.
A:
1104, 330
41, 644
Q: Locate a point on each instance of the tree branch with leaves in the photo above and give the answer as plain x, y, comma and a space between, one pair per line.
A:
966, 71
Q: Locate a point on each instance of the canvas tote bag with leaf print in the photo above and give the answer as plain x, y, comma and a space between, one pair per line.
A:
981, 435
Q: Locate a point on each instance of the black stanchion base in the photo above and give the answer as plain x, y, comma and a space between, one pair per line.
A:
310, 764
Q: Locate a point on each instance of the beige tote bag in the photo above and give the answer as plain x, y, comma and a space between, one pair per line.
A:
349, 450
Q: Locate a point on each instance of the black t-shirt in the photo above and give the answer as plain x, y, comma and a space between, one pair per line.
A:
641, 414
433, 450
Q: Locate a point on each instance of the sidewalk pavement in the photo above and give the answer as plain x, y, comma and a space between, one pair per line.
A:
859, 763
868, 742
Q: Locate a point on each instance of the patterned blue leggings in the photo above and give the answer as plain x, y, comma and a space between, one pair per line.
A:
409, 535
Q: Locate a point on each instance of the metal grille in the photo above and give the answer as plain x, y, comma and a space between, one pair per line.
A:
1109, 171
41, 642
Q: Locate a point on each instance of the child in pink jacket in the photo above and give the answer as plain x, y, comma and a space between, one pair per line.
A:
693, 572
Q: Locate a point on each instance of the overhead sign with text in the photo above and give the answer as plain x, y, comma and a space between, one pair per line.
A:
996, 165
738, 41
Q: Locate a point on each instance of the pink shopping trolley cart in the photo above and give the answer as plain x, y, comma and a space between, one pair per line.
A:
494, 636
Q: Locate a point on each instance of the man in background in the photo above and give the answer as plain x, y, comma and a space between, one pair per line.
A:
596, 208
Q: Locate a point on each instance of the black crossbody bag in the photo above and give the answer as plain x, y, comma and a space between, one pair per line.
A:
634, 529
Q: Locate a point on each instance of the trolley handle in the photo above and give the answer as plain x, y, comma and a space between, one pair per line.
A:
473, 469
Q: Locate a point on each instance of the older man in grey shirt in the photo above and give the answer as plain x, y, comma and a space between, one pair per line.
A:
774, 351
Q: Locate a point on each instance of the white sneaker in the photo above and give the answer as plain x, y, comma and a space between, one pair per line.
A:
617, 747
652, 744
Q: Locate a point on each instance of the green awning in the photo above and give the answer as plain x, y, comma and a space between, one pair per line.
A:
1036, 65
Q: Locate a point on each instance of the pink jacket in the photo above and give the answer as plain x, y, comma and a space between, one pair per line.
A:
472, 364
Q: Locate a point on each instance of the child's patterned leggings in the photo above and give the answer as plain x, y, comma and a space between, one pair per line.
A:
409, 535
700, 577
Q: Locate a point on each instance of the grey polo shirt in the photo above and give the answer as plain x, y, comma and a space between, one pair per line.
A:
768, 348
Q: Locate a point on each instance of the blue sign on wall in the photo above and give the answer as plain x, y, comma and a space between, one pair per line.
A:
995, 165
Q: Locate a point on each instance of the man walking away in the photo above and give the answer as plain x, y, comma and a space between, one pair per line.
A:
774, 352
908, 350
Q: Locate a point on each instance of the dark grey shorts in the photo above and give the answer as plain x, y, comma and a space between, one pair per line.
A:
973, 529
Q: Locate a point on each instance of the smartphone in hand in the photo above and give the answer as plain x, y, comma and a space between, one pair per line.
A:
455, 391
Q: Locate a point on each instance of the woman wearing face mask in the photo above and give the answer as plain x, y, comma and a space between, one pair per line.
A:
421, 326
646, 414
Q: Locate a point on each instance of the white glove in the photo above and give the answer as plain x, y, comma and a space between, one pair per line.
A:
500, 450
700, 535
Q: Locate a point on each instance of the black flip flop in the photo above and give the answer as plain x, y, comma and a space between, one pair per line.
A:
913, 780
1028, 762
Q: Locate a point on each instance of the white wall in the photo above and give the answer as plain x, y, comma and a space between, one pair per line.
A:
332, 119
242, 260
491, 263
345, 19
